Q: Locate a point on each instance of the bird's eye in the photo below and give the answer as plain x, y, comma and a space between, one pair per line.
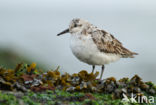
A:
75, 25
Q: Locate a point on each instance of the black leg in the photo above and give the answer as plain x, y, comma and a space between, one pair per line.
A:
93, 68
103, 67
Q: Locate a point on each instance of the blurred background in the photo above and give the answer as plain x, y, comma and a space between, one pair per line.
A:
28, 30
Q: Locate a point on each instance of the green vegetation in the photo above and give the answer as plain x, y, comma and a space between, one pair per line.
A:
25, 85
59, 97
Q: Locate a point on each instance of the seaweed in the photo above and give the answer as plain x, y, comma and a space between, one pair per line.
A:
27, 77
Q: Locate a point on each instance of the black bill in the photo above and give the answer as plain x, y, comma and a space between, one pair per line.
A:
63, 32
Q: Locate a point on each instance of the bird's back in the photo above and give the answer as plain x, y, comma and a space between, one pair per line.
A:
107, 43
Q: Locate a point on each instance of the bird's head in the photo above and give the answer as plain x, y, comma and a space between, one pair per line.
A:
76, 25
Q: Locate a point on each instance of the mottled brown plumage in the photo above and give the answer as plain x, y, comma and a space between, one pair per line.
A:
109, 44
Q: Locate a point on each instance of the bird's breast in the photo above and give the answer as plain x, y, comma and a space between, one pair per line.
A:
82, 47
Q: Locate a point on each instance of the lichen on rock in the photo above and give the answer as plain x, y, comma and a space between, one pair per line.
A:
27, 77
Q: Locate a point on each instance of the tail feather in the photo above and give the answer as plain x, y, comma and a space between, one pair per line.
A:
134, 53
129, 54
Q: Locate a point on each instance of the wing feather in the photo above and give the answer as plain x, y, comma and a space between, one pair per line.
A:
109, 44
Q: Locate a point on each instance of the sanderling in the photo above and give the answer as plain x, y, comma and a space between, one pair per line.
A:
93, 45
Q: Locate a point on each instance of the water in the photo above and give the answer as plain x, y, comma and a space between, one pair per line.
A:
30, 27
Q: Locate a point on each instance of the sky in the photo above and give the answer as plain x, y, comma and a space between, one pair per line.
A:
30, 27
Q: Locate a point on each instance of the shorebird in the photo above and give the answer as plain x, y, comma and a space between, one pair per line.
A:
93, 45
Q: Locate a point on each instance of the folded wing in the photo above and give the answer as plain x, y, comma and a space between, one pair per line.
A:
109, 44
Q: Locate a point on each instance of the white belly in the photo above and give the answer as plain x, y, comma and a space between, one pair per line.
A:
86, 51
